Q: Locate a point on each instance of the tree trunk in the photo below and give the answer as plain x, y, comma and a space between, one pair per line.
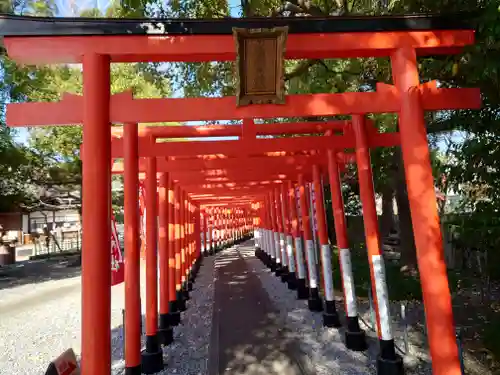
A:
407, 245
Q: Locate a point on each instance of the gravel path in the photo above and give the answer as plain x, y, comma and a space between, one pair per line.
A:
38, 322
324, 347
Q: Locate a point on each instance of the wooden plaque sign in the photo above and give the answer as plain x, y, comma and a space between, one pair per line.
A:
260, 66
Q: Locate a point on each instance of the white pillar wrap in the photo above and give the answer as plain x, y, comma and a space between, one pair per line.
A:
301, 268
256, 237
202, 235
382, 298
326, 260
289, 251
277, 247
284, 258
270, 245
348, 283
311, 266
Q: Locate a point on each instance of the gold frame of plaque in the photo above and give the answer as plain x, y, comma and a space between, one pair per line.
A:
259, 67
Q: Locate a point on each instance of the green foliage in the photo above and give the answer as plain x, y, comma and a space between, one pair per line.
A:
402, 287
52, 155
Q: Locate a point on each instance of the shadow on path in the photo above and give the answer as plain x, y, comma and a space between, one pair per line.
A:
38, 271
246, 336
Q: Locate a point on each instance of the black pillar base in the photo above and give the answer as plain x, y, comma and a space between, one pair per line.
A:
257, 253
279, 270
356, 341
388, 362
165, 330
181, 302
136, 370
302, 290
269, 260
194, 272
390, 366
273, 266
174, 313
284, 274
292, 281
166, 336
314, 303
330, 315
152, 357
185, 291
266, 259
355, 338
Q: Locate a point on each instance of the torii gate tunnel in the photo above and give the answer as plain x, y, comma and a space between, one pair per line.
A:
207, 194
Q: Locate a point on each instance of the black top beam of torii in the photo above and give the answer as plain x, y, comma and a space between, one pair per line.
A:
49, 26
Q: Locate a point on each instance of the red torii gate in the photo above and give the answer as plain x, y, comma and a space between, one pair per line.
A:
45, 43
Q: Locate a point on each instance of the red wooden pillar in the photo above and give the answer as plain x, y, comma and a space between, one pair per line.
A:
197, 233
266, 258
302, 291
210, 232
132, 311
215, 229
199, 246
173, 308
287, 225
262, 224
232, 220
270, 234
275, 241
152, 357
96, 215
425, 219
182, 222
388, 356
205, 238
218, 226
257, 233
193, 232
314, 301
226, 227
355, 338
281, 236
218, 229
189, 241
165, 330
181, 302
184, 246
222, 223
142, 219
192, 246
330, 315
